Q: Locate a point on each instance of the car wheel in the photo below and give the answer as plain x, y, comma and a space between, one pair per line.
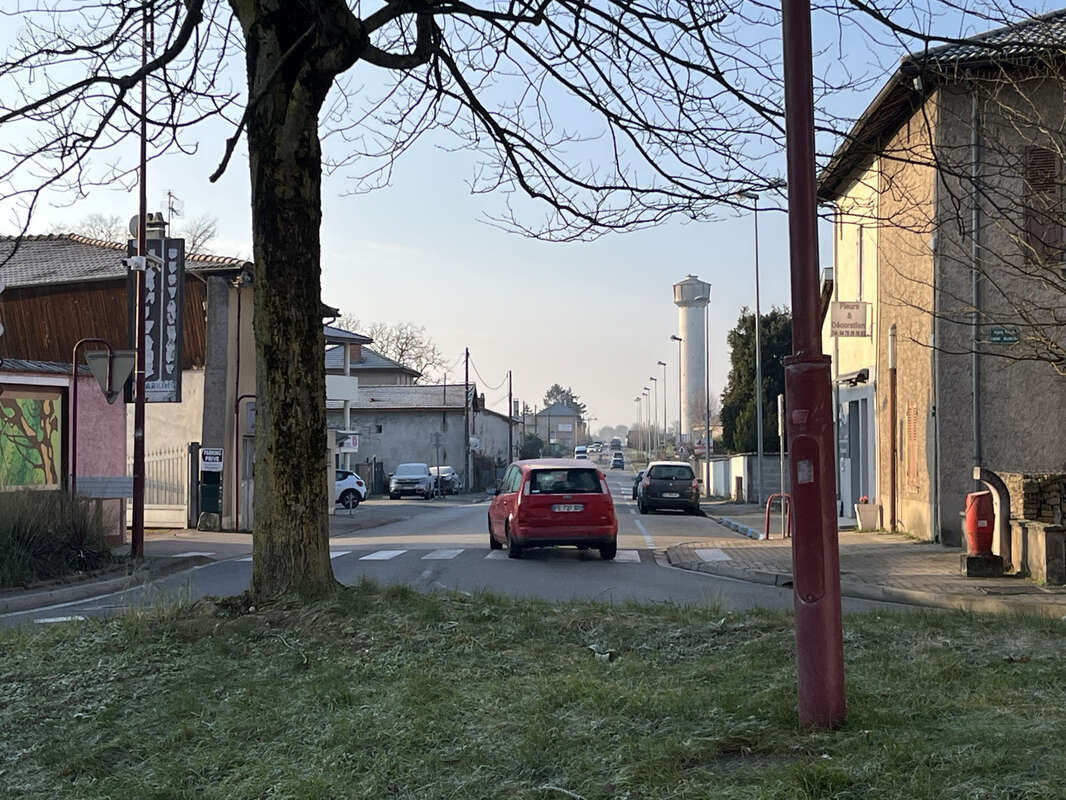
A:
643, 509
513, 550
693, 511
349, 498
608, 551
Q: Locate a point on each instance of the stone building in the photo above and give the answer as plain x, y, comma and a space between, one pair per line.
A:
948, 196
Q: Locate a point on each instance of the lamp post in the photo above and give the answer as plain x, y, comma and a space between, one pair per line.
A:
665, 426
647, 421
678, 339
640, 432
758, 354
655, 414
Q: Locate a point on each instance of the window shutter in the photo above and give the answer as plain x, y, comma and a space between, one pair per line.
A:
1043, 213
912, 447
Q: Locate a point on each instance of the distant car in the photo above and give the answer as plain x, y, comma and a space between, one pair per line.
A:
350, 489
618, 461
550, 502
581, 452
447, 480
669, 484
636, 483
411, 479
616, 444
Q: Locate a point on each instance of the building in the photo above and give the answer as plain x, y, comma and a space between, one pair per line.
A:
556, 424
948, 227
692, 296
369, 366
418, 423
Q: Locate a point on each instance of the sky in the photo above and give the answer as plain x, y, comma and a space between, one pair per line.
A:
594, 316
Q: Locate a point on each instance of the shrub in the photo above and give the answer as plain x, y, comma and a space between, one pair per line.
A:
48, 534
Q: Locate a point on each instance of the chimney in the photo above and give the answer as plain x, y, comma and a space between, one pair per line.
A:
156, 225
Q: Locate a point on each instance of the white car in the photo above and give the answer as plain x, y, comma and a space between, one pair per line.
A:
350, 489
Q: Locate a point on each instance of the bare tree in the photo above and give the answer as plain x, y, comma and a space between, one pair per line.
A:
103, 227
403, 342
198, 233
594, 116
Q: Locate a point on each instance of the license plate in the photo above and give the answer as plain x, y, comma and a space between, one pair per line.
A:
671, 494
568, 507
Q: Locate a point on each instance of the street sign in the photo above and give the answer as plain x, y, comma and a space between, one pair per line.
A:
847, 319
164, 299
347, 441
122, 362
210, 459
1002, 334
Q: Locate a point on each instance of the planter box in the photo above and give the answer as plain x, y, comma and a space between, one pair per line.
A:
868, 516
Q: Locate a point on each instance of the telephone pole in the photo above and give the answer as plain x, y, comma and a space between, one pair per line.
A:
466, 420
510, 420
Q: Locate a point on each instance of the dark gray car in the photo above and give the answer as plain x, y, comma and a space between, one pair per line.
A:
669, 484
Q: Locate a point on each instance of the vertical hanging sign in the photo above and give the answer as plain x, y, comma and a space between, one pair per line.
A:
164, 298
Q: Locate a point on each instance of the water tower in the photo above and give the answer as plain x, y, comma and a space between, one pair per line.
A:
691, 296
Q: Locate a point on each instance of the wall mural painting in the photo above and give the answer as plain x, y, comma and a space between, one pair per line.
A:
30, 437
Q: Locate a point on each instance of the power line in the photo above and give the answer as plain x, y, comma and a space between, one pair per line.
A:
485, 383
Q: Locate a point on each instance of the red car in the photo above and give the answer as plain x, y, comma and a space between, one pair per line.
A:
553, 501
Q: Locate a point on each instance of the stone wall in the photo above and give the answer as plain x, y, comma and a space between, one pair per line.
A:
1038, 497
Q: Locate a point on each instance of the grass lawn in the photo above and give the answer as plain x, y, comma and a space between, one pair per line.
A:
393, 694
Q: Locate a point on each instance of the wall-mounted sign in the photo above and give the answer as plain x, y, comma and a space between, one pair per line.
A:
164, 298
347, 441
1002, 334
210, 459
847, 319
563, 427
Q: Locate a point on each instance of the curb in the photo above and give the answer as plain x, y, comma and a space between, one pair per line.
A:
27, 601
733, 525
876, 592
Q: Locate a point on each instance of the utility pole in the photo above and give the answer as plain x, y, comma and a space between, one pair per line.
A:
510, 420
758, 365
137, 536
808, 396
466, 420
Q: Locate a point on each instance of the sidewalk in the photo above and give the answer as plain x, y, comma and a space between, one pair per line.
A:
875, 566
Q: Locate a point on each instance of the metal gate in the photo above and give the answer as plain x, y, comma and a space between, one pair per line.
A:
166, 474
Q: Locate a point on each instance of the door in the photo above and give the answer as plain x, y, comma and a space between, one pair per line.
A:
855, 452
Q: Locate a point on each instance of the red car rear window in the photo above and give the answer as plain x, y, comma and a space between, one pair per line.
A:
564, 481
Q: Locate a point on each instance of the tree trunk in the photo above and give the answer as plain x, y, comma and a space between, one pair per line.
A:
291, 526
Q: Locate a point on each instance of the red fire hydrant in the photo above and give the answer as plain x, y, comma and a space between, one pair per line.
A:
980, 522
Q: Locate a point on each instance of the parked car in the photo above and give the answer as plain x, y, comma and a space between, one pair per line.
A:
669, 484
636, 483
618, 461
551, 502
447, 480
411, 479
350, 489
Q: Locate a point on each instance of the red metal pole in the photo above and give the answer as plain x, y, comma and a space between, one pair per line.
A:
815, 555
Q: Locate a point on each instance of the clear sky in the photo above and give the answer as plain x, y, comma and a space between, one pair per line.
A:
595, 316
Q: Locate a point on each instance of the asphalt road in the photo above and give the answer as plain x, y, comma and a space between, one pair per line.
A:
445, 546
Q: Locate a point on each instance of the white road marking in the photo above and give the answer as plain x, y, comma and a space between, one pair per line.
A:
338, 553
497, 554
713, 554
633, 511
246, 558
628, 556
647, 536
191, 554
382, 555
436, 554
47, 620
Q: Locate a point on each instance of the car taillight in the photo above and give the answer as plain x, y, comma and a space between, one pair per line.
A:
695, 485
646, 482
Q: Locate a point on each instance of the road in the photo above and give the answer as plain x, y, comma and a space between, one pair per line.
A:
445, 546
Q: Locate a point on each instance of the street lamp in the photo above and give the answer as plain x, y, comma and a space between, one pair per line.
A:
647, 424
639, 433
655, 415
678, 339
758, 354
663, 365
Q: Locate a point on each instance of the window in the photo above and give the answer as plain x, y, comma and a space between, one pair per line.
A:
516, 479
1043, 207
378, 427
669, 472
564, 481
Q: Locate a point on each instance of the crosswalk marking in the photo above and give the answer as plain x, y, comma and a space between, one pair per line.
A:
494, 554
628, 556
338, 553
382, 555
191, 554
437, 554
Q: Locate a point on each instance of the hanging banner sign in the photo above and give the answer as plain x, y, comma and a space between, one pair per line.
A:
848, 319
164, 299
